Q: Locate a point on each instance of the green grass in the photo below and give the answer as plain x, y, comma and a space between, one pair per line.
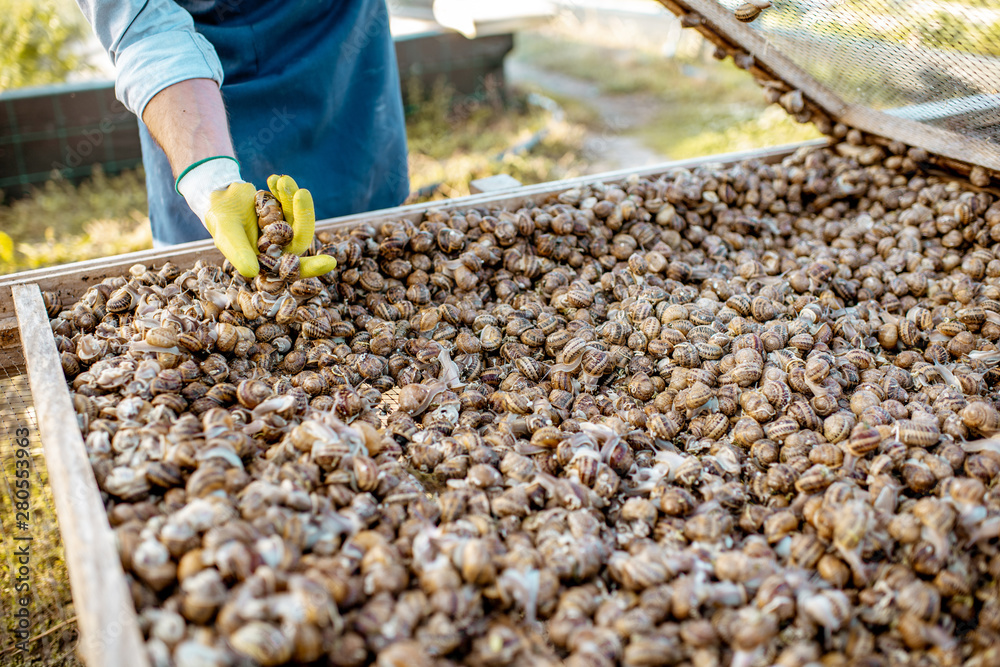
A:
727, 130
700, 108
453, 141
440, 124
60, 208
616, 71
62, 222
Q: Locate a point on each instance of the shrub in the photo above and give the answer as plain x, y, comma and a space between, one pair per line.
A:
38, 38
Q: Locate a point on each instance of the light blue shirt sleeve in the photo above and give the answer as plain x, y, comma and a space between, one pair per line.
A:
152, 44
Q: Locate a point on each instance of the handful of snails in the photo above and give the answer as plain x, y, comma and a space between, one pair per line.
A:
276, 233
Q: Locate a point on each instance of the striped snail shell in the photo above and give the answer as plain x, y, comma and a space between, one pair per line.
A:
747, 12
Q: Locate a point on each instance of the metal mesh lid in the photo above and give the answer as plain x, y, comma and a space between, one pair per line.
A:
926, 74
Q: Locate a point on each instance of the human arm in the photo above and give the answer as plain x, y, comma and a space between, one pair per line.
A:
188, 121
170, 76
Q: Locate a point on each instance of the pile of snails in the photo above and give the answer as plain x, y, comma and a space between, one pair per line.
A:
729, 415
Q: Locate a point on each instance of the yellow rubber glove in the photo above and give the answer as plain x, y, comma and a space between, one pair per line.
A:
224, 203
297, 207
231, 219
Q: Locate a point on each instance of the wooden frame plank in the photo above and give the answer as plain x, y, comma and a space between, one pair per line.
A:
71, 280
934, 139
719, 26
109, 631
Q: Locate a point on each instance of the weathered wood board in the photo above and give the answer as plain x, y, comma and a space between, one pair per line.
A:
109, 632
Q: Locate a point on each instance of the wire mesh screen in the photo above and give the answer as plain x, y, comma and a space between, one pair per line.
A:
45, 633
933, 62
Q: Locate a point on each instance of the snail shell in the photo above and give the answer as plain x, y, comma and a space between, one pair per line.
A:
268, 209
920, 434
279, 233
981, 417
288, 267
306, 288
747, 12
317, 328
838, 426
781, 428
263, 643
596, 362
863, 439
161, 337
121, 301
251, 393
268, 263
414, 398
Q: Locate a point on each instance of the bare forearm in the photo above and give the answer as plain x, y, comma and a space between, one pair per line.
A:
188, 120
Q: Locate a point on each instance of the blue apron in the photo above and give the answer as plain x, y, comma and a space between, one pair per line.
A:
312, 91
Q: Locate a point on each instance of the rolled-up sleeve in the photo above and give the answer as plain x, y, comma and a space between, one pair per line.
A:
152, 45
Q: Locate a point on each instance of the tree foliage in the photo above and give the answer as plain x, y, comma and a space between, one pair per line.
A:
38, 43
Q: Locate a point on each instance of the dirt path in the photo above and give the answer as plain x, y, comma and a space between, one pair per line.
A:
611, 148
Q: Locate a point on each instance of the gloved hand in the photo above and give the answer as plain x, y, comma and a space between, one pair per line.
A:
224, 203
297, 208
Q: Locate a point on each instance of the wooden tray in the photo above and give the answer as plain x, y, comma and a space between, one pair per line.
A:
109, 631
109, 634
108, 626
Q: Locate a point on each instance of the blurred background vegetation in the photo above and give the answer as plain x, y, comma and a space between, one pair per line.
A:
943, 25
41, 41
